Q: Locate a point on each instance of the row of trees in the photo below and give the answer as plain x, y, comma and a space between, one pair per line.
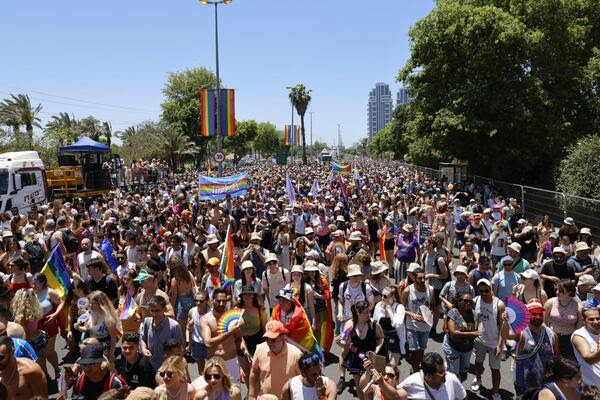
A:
507, 85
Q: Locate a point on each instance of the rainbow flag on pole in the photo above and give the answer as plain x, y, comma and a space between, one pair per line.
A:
227, 267
208, 112
292, 135
127, 308
341, 169
57, 273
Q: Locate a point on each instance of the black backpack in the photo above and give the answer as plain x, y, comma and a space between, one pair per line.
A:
36, 255
69, 240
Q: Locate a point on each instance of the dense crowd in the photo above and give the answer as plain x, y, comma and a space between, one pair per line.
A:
380, 262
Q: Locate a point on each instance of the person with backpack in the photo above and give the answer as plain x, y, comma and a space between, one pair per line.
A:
273, 279
93, 380
436, 274
35, 249
65, 236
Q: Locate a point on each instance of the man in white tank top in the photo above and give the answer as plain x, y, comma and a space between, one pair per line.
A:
311, 384
488, 318
585, 344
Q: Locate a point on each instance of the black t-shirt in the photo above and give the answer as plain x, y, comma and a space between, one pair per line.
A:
88, 390
107, 285
564, 271
138, 374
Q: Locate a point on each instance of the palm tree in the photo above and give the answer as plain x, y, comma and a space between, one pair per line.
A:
107, 131
19, 107
90, 126
9, 118
64, 128
300, 98
177, 145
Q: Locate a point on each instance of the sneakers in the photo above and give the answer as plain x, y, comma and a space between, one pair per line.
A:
496, 396
476, 385
341, 385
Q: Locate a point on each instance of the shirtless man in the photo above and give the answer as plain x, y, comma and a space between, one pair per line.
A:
228, 345
149, 282
22, 377
212, 249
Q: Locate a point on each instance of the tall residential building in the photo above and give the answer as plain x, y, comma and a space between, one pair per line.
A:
402, 97
380, 108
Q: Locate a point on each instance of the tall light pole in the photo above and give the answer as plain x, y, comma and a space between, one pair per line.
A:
292, 126
218, 85
311, 113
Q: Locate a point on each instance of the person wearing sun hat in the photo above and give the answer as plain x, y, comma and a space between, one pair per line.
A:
537, 344
582, 262
454, 287
256, 253
555, 270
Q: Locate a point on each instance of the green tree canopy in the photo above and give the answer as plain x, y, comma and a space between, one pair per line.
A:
578, 172
505, 85
240, 144
267, 140
300, 98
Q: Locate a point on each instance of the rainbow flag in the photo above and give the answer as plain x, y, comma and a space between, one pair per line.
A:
292, 135
341, 169
326, 337
227, 267
300, 332
208, 170
381, 243
57, 273
208, 112
127, 308
343, 187
213, 188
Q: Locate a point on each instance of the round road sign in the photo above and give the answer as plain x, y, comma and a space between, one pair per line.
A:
219, 157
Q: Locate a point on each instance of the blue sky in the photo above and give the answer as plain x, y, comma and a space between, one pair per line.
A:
111, 58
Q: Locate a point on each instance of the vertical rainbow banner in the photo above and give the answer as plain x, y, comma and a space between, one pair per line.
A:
208, 112
227, 261
292, 135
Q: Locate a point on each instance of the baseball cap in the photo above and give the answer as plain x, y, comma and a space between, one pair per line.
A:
273, 329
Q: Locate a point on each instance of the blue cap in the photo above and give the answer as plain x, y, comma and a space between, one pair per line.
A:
507, 258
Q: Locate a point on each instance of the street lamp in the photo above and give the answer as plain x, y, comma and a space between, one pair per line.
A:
292, 126
218, 90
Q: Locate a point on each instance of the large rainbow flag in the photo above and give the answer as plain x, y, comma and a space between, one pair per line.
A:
341, 169
384, 231
213, 188
300, 332
326, 337
292, 135
208, 112
227, 267
57, 273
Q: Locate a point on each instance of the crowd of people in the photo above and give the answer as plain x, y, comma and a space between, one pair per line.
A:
381, 262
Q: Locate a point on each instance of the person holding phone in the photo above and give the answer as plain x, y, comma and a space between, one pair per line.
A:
310, 384
381, 386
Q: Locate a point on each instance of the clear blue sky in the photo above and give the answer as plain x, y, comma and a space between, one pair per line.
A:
97, 54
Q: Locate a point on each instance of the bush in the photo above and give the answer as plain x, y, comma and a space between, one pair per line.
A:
578, 174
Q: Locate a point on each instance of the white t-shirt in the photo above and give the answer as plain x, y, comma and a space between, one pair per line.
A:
589, 372
275, 283
83, 259
354, 295
498, 246
452, 389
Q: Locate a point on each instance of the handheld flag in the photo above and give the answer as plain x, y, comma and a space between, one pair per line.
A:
314, 190
106, 249
341, 169
382, 243
56, 272
212, 188
290, 189
227, 267
127, 308
343, 187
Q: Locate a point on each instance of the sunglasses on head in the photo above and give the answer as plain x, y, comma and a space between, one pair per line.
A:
312, 360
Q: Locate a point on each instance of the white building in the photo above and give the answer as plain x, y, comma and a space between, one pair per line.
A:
379, 109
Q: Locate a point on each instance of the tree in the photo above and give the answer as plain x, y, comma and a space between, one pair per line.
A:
63, 128
267, 141
300, 98
181, 107
176, 145
143, 141
239, 144
578, 171
91, 127
107, 132
18, 111
504, 85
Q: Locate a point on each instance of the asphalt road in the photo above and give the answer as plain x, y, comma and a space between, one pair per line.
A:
332, 371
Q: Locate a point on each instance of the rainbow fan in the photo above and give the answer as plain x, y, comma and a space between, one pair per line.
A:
228, 318
228, 282
518, 314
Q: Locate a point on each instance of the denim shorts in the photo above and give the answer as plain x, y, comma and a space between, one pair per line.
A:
183, 306
416, 340
457, 361
199, 351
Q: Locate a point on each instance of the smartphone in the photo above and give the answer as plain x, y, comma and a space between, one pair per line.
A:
378, 362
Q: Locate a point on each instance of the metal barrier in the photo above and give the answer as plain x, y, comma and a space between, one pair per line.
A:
536, 202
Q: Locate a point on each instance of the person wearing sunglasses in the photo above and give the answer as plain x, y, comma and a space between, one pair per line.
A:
175, 386
434, 382
556, 269
585, 341
218, 382
196, 346
376, 385
310, 384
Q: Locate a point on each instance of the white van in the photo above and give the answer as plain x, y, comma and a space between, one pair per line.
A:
22, 180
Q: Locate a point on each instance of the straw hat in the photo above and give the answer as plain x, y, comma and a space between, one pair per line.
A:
354, 270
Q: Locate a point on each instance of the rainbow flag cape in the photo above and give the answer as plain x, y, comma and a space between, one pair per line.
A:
381, 243
106, 249
208, 112
300, 332
343, 187
127, 308
227, 267
326, 337
341, 169
213, 188
291, 135
57, 273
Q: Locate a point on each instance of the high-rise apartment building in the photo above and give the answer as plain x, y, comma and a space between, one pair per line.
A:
402, 97
379, 109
